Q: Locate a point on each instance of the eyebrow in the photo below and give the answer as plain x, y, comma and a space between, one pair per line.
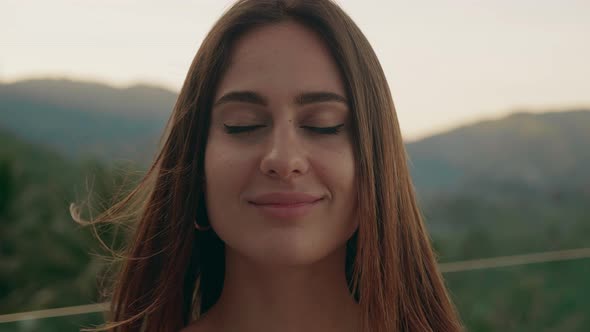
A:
302, 99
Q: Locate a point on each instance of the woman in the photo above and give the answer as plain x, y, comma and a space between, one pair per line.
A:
280, 199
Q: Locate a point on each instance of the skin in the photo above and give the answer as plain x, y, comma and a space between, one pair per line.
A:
281, 275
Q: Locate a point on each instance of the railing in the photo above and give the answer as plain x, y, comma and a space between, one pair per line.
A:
459, 266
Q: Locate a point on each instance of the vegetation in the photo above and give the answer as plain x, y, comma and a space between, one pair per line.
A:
510, 186
46, 259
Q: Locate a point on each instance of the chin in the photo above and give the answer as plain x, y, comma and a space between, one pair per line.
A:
284, 252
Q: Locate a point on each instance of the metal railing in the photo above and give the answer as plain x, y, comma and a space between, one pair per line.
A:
450, 267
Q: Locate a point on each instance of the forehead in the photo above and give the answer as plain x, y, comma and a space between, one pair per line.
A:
281, 60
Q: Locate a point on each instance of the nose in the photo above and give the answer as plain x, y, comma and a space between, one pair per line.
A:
284, 157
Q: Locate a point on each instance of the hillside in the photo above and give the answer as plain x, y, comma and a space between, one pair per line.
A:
87, 119
501, 187
540, 151
81, 119
46, 259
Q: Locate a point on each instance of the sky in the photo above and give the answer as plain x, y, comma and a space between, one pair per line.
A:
448, 63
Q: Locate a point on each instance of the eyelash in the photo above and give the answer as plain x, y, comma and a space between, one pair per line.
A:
318, 130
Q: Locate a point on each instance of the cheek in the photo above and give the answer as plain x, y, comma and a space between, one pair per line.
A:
226, 172
337, 165
336, 168
224, 162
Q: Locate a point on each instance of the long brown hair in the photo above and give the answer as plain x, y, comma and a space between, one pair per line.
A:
171, 274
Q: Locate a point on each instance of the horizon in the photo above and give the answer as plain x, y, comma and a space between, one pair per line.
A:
407, 140
450, 65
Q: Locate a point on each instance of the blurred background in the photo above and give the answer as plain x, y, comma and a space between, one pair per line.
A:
493, 101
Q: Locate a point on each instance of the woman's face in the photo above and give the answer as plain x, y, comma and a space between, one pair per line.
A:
279, 164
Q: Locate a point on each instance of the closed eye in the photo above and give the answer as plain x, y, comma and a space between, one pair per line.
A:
325, 130
241, 129
318, 130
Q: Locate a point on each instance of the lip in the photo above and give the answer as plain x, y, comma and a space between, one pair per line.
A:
284, 198
285, 205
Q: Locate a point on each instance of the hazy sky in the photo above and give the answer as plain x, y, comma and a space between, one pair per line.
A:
447, 62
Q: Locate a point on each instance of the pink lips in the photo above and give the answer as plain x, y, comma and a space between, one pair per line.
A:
285, 204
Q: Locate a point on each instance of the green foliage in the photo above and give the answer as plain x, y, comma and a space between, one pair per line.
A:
48, 260
540, 297
513, 186
550, 296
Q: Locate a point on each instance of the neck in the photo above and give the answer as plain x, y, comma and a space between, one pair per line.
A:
285, 298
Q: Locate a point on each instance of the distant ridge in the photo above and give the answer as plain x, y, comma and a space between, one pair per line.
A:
541, 149
86, 119
140, 99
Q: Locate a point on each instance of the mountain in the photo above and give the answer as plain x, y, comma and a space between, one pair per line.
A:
87, 119
515, 185
540, 151
537, 151
48, 261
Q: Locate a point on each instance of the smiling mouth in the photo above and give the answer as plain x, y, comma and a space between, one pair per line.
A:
286, 210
